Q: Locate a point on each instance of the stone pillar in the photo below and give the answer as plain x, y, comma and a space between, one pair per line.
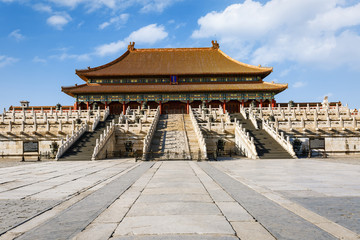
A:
187, 106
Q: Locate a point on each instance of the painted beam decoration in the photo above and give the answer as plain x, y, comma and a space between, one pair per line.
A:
176, 97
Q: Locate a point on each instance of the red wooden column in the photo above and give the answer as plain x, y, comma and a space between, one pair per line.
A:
273, 103
76, 104
187, 106
106, 105
87, 105
261, 103
160, 107
124, 107
224, 106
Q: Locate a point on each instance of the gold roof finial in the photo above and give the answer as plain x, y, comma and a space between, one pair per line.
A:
131, 46
215, 44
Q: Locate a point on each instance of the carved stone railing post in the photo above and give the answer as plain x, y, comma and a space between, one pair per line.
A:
244, 143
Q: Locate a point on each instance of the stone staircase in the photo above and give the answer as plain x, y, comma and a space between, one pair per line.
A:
266, 146
83, 148
169, 141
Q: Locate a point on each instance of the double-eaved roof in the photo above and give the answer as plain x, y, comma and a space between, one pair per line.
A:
173, 61
168, 62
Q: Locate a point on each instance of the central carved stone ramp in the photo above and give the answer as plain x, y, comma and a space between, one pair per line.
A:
266, 146
83, 148
170, 140
192, 138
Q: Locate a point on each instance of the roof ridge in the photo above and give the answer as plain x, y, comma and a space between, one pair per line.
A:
171, 49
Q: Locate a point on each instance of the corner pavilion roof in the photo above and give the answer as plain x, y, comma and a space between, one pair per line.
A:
173, 61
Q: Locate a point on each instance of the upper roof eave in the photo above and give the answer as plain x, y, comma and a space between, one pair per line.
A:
212, 61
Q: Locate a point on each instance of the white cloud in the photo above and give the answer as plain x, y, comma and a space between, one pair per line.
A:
59, 20
68, 3
299, 84
37, 59
110, 48
156, 5
149, 35
304, 31
77, 57
117, 21
146, 5
16, 35
5, 60
42, 8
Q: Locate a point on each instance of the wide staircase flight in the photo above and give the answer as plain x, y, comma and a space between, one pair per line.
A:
174, 139
83, 148
266, 146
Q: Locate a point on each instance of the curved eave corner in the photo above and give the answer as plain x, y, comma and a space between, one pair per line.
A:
264, 71
68, 90
83, 73
281, 87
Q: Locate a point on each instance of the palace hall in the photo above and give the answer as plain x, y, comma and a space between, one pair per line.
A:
174, 79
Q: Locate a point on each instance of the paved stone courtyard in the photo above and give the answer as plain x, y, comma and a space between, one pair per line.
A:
232, 199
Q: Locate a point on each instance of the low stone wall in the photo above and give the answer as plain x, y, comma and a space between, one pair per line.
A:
342, 145
14, 147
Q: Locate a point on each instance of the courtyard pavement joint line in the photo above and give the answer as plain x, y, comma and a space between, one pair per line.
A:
280, 222
74, 219
40, 218
243, 224
322, 222
56, 203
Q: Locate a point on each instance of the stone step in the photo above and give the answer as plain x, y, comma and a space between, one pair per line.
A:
266, 146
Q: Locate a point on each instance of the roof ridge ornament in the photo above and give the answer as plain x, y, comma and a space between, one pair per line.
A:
215, 44
131, 46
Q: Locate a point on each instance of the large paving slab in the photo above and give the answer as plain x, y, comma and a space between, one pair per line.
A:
172, 215
329, 188
287, 224
233, 199
24, 189
73, 220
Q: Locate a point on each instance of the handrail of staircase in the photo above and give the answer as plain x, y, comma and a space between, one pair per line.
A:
199, 134
280, 138
187, 147
252, 118
96, 122
243, 112
244, 142
107, 113
150, 134
65, 145
102, 140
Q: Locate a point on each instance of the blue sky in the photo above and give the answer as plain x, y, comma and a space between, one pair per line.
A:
313, 45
